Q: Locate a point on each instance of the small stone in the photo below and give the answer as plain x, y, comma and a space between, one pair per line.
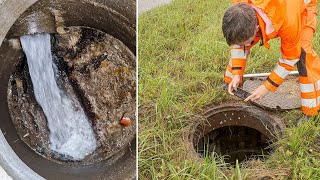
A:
310, 150
19, 83
125, 121
15, 43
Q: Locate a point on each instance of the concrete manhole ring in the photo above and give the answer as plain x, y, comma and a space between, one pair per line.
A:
226, 129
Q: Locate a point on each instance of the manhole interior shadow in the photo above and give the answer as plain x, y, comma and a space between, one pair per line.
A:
235, 132
234, 142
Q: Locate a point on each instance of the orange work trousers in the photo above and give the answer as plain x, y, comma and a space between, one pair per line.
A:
309, 64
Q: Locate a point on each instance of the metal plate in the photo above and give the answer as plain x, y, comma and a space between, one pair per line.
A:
285, 98
241, 93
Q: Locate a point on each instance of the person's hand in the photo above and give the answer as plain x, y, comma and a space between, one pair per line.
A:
234, 84
259, 93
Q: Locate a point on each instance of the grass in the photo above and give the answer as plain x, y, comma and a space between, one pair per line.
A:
182, 57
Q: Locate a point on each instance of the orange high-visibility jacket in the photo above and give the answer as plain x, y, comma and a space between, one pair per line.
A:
276, 18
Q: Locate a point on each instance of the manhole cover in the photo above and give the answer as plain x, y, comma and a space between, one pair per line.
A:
285, 98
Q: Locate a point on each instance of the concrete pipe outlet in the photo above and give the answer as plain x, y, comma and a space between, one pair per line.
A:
235, 131
93, 49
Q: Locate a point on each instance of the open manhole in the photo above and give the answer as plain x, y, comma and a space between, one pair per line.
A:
237, 132
93, 66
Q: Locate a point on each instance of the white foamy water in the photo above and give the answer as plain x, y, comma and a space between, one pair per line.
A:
70, 131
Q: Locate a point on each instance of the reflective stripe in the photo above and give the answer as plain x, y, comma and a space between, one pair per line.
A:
281, 71
318, 85
309, 102
289, 62
307, 1
306, 88
230, 63
228, 74
238, 53
272, 82
235, 46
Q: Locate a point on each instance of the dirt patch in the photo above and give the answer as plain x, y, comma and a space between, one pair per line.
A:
97, 69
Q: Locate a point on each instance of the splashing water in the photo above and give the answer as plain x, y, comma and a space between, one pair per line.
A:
70, 131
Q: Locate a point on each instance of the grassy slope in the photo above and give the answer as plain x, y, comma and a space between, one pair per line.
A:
182, 57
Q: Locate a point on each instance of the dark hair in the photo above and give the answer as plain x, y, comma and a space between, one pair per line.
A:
239, 23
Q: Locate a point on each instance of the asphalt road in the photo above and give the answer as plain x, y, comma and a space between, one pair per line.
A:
145, 5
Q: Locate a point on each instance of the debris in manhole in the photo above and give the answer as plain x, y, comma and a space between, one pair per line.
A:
234, 143
125, 121
71, 133
101, 71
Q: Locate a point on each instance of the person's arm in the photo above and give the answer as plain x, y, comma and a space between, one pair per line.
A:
290, 54
238, 57
237, 64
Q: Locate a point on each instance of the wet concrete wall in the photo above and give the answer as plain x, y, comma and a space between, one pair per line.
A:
10, 10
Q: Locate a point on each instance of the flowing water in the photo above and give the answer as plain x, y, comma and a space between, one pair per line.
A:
70, 131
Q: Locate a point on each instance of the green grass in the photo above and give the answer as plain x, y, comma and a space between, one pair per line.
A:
182, 57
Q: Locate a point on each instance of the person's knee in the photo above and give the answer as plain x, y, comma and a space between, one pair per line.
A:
306, 39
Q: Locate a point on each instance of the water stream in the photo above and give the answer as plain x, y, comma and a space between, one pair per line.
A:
70, 131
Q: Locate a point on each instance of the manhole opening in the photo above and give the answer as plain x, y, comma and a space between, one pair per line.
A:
234, 143
88, 62
236, 132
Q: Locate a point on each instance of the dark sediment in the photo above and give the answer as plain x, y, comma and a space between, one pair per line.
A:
97, 69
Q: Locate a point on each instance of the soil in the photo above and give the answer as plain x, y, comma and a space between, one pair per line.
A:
97, 69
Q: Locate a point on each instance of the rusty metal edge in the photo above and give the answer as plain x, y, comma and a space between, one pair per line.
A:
191, 129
